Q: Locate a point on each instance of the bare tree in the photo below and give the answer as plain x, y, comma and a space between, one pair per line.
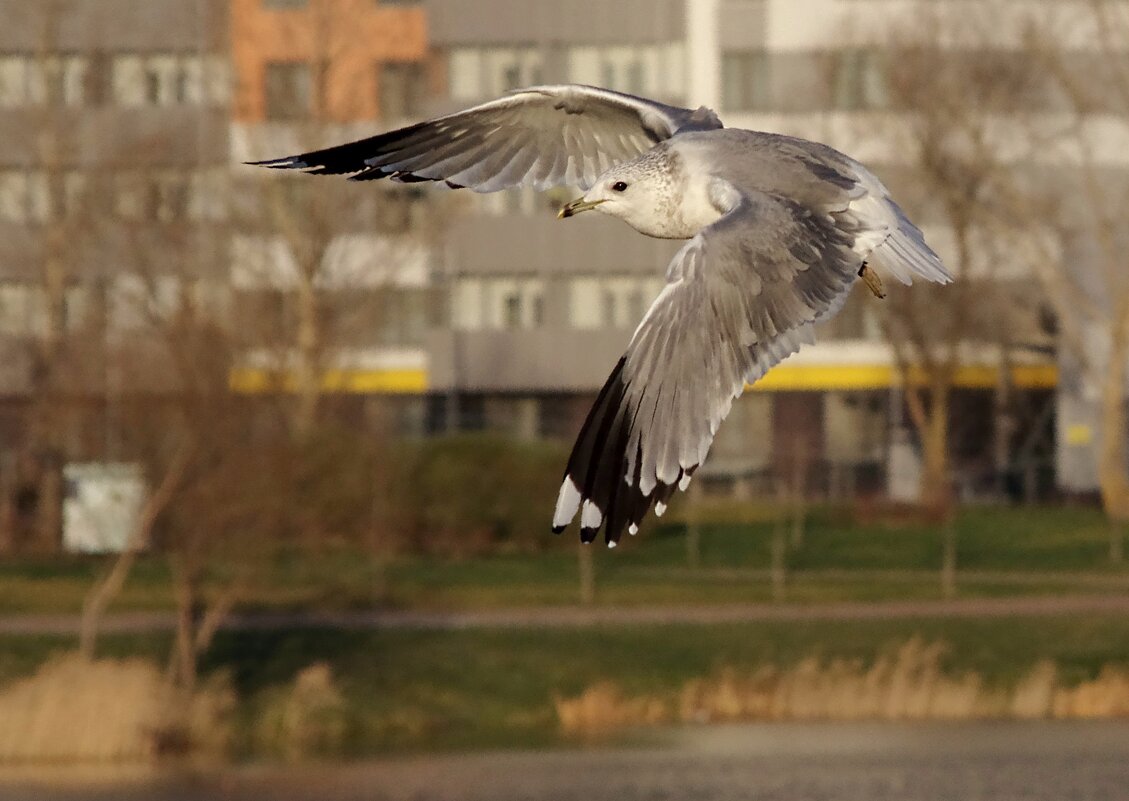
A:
947, 103
110, 585
315, 234
1082, 259
46, 391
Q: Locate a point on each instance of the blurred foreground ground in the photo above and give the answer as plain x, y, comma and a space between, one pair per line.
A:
999, 552
335, 654
829, 762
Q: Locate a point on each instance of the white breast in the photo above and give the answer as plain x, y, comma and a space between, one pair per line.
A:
695, 209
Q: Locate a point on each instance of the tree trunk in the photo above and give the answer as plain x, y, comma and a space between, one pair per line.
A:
7, 503
1004, 428
307, 373
49, 504
949, 559
105, 590
936, 493
99, 597
693, 528
1113, 459
587, 573
801, 457
779, 568
188, 613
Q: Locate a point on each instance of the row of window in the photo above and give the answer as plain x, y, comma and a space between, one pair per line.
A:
850, 80
126, 301
395, 314
479, 72
398, 317
515, 303
853, 78
131, 80
291, 94
31, 196
170, 195
595, 302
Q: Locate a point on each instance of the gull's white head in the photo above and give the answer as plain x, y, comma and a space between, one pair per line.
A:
645, 193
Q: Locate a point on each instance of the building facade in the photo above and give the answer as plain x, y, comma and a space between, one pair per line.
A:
111, 189
127, 123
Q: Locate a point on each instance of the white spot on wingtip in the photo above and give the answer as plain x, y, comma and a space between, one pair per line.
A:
612, 544
660, 507
568, 501
684, 482
633, 529
590, 515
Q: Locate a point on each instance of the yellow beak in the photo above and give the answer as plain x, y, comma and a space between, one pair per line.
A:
577, 206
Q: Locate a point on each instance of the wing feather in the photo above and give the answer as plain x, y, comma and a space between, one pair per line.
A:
741, 296
572, 133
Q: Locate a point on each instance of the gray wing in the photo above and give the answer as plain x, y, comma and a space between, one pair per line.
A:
741, 296
539, 137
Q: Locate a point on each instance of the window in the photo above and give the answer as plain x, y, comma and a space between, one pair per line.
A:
401, 87
24, 196
745, 81
467, 304
64, 80
512, 314
14, 81
611, 302
654, 70
859, 80
38, 80
133, 300
289, 90
161, 196
37, 196
168, 79
23, 308
481, 72
497, 303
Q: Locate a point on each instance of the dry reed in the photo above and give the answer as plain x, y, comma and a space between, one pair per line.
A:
76, 710
909, 684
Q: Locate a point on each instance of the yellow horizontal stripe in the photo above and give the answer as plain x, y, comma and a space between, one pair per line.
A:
405, 381
785, 377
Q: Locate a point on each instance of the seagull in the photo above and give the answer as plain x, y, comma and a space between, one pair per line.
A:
778, 230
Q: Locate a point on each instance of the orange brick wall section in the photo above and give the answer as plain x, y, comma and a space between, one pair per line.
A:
349, 36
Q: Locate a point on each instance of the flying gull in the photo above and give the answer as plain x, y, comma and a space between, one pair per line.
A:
779, 230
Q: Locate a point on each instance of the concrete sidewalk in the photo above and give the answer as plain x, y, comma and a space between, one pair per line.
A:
583, 616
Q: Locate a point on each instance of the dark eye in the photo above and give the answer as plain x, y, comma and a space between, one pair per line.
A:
619, 186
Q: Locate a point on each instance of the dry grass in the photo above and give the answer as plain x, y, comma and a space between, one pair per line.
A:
75, 710
603, 707
305, 719
907, 685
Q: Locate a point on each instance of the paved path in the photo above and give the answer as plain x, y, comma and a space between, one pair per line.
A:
580, 616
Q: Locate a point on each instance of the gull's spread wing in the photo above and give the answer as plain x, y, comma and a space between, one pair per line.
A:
741, 296
539, 137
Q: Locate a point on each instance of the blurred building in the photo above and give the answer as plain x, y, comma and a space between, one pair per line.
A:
121, 214
115, 119
123, 200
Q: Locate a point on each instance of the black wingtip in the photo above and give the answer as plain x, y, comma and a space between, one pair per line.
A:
588, 535
559, 529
